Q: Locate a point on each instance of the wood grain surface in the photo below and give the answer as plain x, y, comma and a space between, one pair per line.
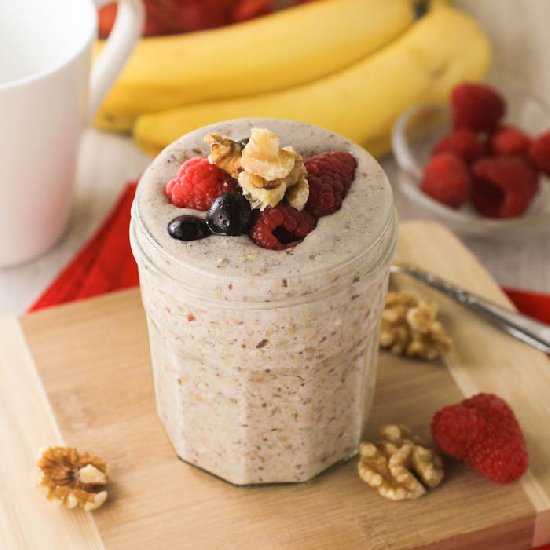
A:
27, 424
93, 361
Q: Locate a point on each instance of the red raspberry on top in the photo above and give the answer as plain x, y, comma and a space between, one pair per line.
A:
476, 106
463, 142
483, 432
330, 176
539, 153
509, 141
198, 183
504, 187
281, 227
447, 180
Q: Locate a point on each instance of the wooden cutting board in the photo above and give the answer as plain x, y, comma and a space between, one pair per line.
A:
80, 374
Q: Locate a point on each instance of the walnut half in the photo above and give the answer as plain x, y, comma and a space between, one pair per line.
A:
400, 467
225, 153
410, 327
72, 479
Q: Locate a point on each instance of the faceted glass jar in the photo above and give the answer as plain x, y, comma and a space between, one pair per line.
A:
269, 377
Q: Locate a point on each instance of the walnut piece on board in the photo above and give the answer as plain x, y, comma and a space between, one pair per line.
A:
400, 467
72, 479
410, 327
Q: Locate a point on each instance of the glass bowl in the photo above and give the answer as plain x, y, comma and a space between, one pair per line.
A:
417, 131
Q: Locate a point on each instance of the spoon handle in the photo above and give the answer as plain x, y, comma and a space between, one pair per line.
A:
520, 326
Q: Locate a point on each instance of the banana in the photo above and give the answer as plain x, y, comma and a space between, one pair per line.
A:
361, 102
278, 51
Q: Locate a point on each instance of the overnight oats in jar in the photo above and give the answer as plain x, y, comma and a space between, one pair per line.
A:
263, 320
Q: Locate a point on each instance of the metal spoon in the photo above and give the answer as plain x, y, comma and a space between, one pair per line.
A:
520, 326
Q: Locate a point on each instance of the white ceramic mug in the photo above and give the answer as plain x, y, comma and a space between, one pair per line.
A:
48, 93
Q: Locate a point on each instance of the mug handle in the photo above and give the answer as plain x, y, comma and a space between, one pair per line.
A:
126, 32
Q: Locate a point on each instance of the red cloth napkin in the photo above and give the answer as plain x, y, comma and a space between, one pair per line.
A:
106, 264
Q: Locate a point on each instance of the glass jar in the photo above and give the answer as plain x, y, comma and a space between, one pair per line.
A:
259, 377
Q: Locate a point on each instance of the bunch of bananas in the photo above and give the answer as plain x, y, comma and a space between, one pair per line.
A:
348, 65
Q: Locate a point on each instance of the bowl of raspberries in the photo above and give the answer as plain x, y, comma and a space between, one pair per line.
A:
481, 165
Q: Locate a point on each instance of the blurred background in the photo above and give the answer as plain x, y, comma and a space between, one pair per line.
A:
109, 159
518, 30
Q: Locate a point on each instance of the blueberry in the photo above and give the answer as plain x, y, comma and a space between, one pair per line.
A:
188, 228
229, 215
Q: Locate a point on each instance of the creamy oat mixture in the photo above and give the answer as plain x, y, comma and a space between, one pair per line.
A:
264, 361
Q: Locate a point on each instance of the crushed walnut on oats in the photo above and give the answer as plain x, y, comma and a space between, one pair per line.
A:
409, 326
225, 153
400, 466
266, 172
72, 479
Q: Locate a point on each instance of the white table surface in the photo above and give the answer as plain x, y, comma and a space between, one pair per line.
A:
521, 44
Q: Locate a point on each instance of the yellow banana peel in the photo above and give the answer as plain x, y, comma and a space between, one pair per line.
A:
361, 102
275, 52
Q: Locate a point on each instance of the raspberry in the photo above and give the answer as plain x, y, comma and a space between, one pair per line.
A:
539, 153
198, 183
447, 180
281, 227
330, 176
504, 187
476, 106
463, 142
248, 9
483, 432
509, 141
